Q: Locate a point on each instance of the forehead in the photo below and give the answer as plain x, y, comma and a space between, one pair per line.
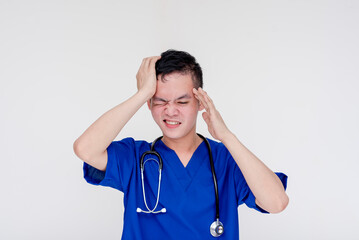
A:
174, 85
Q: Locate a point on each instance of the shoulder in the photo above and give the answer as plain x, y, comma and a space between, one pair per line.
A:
130, 141
217, 147
222, 158
130, 144
219, 151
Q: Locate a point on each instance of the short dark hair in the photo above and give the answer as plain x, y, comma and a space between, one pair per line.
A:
182, 62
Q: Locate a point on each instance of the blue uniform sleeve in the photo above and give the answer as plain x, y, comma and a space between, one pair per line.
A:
120, 164
244, 193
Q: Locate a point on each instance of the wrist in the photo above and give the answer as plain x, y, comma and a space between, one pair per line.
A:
147, 95
228, 137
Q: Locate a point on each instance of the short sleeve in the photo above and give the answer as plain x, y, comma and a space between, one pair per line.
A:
244, 193
120, 165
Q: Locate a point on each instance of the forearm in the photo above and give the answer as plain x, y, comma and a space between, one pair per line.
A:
264, 183
104, 130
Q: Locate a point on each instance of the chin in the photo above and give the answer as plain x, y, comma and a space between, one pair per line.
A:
175, 133
172, 134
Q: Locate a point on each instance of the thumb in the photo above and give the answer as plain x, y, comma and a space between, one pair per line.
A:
205, 117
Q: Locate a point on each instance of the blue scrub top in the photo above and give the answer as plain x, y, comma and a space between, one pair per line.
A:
187, 193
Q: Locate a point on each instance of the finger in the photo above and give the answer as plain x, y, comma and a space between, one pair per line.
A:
206, 117
208, 100
153, 60
145, 63
202, 100
196, 95
205, 95
141, 70
148, 62
208, 97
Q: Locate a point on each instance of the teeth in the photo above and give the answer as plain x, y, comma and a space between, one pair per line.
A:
172, 123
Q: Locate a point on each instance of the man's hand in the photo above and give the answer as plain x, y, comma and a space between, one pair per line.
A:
265, 185
216, 126
146, 76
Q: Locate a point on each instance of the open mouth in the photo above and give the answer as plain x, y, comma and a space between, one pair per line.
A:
170, 123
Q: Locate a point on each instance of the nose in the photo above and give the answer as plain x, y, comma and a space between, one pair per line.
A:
171, 109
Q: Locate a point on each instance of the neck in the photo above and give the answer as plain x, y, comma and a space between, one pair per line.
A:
188, 143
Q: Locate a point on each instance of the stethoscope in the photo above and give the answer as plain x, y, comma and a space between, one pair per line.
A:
216, 227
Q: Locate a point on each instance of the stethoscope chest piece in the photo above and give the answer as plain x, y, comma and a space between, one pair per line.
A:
216, 228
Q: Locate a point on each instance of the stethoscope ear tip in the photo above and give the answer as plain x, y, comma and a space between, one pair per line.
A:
163, 210
138, 210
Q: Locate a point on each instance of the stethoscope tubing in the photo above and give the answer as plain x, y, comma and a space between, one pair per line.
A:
213, 175
158, 189
216, 224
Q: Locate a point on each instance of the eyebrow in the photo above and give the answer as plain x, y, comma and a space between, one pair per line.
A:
185, 96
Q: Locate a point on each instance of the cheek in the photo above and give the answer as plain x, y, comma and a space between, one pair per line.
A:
184, 111
190, 112
155, 113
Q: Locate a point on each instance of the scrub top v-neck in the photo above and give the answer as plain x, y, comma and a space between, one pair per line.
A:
187, 193
172, 163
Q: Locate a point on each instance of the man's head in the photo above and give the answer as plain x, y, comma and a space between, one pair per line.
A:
174, 107
181, 62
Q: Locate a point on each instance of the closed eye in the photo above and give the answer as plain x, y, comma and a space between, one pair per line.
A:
182, 103
159, 103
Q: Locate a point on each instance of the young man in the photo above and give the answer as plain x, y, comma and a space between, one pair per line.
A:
178, 202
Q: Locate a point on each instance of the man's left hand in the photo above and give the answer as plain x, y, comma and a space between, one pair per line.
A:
216, 126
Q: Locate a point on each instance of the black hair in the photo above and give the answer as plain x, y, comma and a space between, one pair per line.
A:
182, 62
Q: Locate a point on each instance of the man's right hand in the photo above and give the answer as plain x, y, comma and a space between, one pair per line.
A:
146, 76
91, 146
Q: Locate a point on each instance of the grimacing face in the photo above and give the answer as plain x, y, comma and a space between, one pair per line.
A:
174, 107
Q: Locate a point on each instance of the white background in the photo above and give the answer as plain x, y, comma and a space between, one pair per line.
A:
283, 74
